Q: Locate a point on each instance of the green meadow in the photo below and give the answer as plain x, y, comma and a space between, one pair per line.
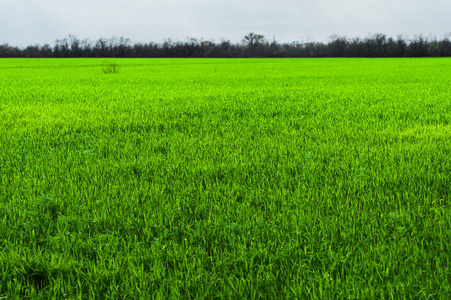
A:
225, 178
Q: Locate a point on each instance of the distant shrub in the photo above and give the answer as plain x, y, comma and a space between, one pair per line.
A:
110, 68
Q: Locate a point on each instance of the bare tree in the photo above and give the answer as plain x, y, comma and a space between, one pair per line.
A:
101, 47
122, 45
253, 40
62, 47
74, 44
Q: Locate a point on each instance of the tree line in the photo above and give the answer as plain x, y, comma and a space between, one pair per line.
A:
252, 45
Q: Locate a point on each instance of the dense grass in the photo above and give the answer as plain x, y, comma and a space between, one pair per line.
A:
192, 178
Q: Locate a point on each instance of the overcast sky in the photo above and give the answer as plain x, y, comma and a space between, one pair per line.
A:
26, 22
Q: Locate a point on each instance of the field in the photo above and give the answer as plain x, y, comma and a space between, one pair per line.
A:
225, 178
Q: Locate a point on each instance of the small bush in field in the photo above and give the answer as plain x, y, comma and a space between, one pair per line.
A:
110, 68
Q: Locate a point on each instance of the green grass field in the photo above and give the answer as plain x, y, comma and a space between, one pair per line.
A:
225, 178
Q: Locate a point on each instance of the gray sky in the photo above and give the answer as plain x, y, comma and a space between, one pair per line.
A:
26, 22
